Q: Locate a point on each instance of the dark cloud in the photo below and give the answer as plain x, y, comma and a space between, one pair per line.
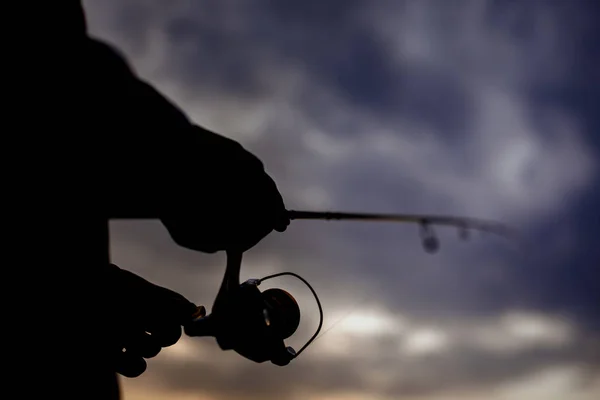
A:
458, 369
429, 128
221, 53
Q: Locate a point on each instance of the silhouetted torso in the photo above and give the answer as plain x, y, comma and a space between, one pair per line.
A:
87, 140
90, 141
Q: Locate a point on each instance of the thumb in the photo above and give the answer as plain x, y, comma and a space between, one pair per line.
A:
172, 306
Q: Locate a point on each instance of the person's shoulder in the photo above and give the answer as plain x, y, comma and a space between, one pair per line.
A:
70, 19
107, 58
104, 61
68, 16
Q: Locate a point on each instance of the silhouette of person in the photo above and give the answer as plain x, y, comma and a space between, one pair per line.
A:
126, 151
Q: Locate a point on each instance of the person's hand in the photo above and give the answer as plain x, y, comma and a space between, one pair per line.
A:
143, 319
235, 204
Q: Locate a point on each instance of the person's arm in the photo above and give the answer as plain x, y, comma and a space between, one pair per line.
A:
208, 191
181, 159
62, 21
156, 155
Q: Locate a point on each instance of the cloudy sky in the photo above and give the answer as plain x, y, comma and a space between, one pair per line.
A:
480, 108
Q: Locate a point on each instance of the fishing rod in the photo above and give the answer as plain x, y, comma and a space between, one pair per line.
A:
410, 218
256, 324
430, 241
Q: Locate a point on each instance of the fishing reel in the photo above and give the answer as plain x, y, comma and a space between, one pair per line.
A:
252, 323
256, 324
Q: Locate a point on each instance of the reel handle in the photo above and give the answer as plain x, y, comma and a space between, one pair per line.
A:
200, 324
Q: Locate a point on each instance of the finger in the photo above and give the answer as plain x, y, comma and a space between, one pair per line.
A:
281, 222
170, 307
281, 217
143, 345
261, 230
130, 365
186, 233
272, 205
168, 311
166, 335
